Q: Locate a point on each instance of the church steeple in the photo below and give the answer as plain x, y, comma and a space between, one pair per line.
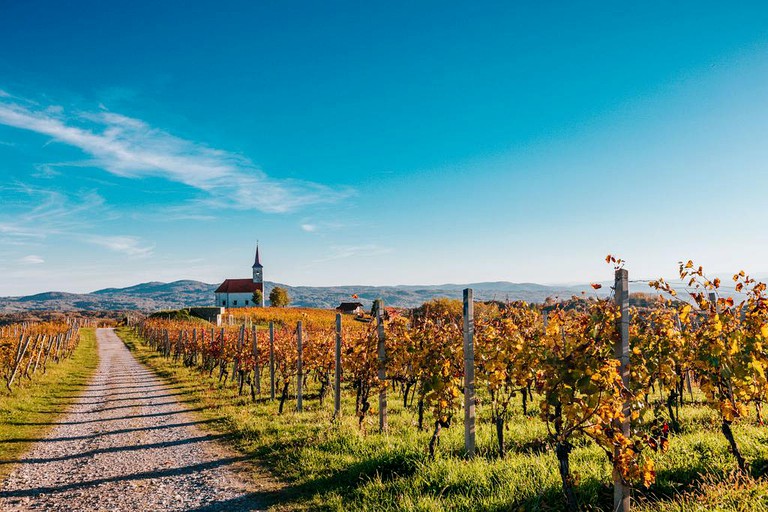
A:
257, 263
258, 272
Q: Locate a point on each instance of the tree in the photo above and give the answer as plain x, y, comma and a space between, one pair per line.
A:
278, 297
258, 298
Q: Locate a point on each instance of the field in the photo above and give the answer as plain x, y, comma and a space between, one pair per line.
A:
697, 387
335, 465
574, 400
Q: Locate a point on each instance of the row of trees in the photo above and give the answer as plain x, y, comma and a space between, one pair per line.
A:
278, 297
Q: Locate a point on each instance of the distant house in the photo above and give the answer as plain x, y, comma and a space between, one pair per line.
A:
238, 293
351, 308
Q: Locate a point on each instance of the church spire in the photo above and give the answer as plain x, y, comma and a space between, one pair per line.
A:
257, 263
258, 273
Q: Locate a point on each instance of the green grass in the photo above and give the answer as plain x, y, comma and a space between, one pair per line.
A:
32, 407
180, 315
326, 465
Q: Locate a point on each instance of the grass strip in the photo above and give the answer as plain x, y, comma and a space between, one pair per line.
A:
29, 411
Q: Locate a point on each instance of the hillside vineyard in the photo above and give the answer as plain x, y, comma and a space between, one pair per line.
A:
562, 356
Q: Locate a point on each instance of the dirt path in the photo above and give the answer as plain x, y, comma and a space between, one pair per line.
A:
127, 445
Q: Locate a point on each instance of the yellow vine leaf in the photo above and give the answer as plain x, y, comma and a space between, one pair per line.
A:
758, 367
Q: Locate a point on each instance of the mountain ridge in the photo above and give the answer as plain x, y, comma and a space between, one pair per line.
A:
157, 295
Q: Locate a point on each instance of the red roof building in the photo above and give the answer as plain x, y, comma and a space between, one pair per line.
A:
239, 286
238, 293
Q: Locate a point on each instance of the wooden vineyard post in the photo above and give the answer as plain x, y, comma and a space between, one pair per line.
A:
382, 357
59, 339
256, 368
47, 353
300, 381
180, 345
32, 353
621, 492
19, 356
39, 353
240, 343
222, 361
337, 371
193, 356
271, 360
469, 372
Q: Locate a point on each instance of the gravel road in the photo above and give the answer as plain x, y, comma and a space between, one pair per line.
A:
127, 445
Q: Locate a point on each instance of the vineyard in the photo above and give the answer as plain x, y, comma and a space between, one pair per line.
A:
27, 348
42, 363
560, 367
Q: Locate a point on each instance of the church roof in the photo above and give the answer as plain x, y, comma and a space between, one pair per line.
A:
257, 263
349, 306
239, 286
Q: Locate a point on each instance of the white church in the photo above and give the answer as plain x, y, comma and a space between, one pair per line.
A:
238, 293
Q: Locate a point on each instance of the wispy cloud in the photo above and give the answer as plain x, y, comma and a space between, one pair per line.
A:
33, 213
46, 171
175, 213
11, 232
128, 245
313, 225
32, 259
49, 213
129, 147
339, 252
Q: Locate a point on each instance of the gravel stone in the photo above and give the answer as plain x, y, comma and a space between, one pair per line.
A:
127, 444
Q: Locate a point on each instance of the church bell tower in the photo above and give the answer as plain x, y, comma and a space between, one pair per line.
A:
258, 274
258, 269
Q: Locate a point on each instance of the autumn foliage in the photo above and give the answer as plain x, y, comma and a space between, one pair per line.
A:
28, 348
557, 360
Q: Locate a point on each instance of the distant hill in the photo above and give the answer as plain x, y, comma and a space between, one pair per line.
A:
155, 296
415, 295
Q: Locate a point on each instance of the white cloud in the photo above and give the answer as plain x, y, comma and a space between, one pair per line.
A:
48, 212
17, 231
309, 228
128, 245
314, 225
32, 259
54, 214
175, 213
46, 171
339, 252
129, 147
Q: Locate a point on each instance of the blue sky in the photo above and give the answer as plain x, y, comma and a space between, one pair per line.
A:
379, 143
